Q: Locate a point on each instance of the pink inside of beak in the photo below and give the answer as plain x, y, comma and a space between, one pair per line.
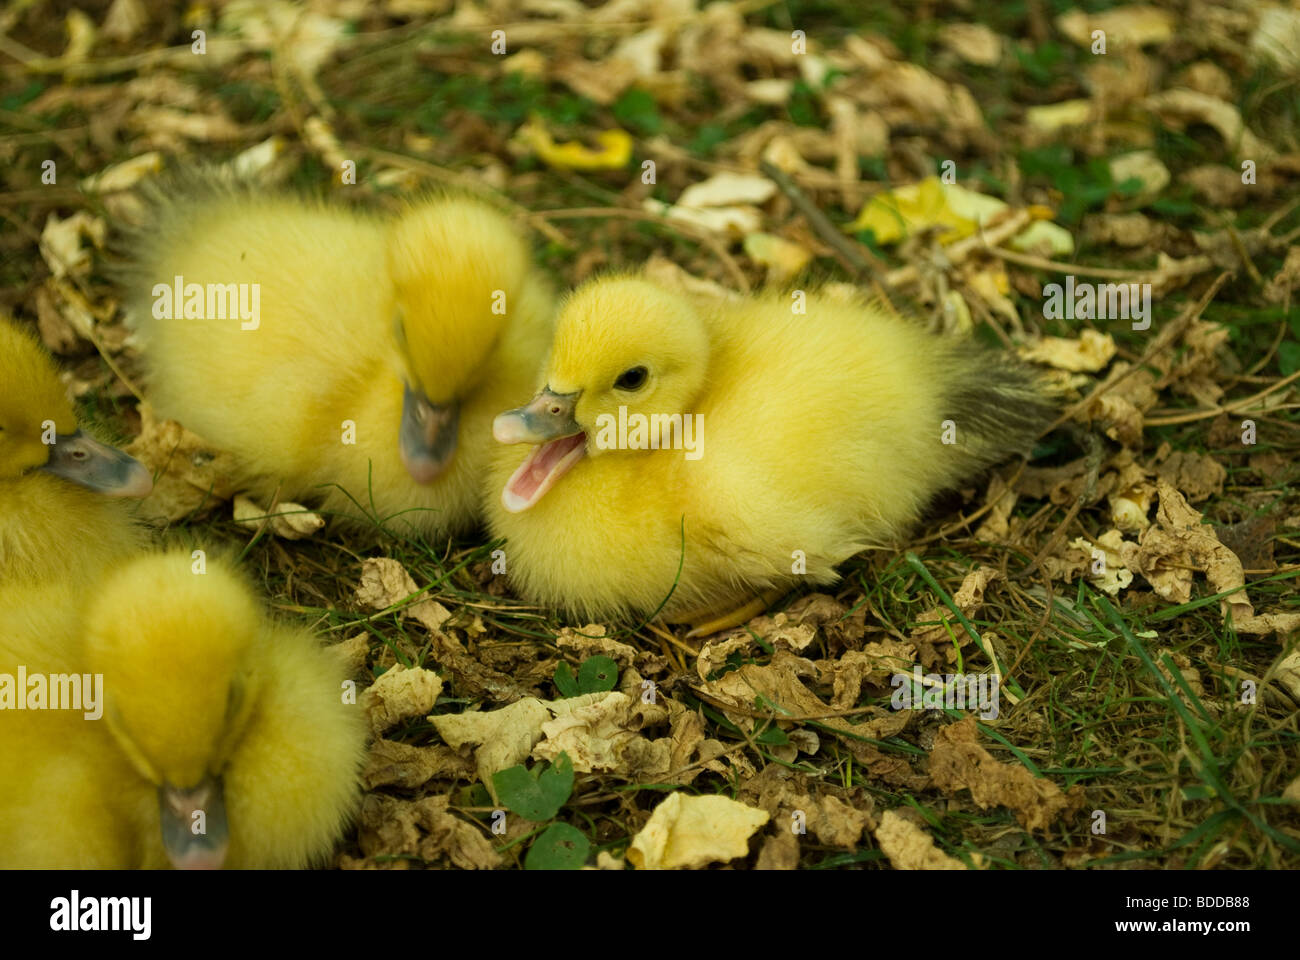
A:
541, 470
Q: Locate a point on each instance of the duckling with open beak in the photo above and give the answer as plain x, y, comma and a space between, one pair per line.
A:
547, 421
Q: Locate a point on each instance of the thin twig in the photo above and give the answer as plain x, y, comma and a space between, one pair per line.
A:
862, 265
1163, 340
1238, 406
1192, 265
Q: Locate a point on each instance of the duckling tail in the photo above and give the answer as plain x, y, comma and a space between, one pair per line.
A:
997, 406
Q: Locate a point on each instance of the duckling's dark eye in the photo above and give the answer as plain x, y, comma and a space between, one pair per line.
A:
633, 379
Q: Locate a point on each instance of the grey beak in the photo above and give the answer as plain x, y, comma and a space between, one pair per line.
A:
548, 416
194, 830
96, 466
428, 435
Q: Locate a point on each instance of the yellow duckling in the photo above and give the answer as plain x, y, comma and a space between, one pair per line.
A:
367, 357
204, 734
776, 444
60, 488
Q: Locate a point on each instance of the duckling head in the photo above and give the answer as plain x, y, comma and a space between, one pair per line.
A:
623, 346
38, 428
458, 268
172, 646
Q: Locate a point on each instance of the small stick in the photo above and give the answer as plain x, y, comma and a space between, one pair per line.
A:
1161, 341
850, 253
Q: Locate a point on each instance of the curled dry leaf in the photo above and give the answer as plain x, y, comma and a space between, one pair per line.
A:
929, 640
404, 765
1286, 280
600, 734
958, 762
502, 738
385, 583
399, 694
780, 850
1121, 229
781, 630
973, 42
827, 817
662, 270
257, 163
1049, 119
290, 521
1279, 622
58, 330
1287, 673
1218, 185
1170, 552
1183, 107
776, 690
1131, 494
306, 37
590, 641
424, 829
124, 19
352, 652
874, 664
732, 221
62, 246
164, 126
714, 653
908, 847
1197, 475
1113, 575
1131, 26
728, 189
1089, 352
1120, 408
996, 525
189, 474
686, 832
1146, 168
124, 175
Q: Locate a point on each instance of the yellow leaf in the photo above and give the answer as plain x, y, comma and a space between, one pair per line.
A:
614, 152
921, 206
782, 258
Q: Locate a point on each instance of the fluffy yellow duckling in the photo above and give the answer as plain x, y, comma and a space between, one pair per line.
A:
799, 440
205, 715
368, 357
60, 488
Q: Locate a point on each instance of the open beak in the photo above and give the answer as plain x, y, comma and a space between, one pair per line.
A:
96, 466
194, 831
548, 421
428, 435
